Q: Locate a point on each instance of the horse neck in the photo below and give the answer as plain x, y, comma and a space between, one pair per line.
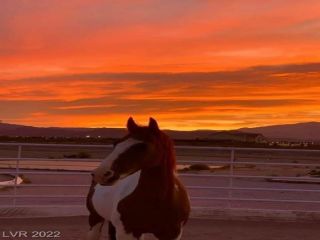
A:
159, 181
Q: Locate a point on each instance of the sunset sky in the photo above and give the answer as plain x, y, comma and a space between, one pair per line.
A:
191, 64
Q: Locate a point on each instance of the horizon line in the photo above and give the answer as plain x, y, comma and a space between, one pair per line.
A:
165, 129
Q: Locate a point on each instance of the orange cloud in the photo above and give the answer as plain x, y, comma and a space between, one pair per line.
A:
221, 100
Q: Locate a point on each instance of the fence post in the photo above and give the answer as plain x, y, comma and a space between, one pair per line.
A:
17, 175
231, 173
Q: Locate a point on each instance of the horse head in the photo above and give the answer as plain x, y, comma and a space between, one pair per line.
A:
144, 147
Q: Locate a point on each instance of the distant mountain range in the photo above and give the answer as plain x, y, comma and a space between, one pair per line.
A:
7, 129
301, 131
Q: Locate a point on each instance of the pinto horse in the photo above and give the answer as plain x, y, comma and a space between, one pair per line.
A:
136, 190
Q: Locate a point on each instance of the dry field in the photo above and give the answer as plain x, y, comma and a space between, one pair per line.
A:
196, 229
74, 228
263, 173
46, 154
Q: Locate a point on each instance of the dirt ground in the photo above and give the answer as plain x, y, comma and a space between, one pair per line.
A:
73, 228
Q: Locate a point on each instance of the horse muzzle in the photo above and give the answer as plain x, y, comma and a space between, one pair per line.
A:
106, 179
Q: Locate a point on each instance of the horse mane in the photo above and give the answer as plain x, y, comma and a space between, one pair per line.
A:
168, 162
165, 163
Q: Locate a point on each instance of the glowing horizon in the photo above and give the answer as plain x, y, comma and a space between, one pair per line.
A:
191, 65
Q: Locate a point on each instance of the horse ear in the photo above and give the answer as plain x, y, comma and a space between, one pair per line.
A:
131, 125
153, 124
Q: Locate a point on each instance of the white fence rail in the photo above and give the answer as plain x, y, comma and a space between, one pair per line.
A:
241, 189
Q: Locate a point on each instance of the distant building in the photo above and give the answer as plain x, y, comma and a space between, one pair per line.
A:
238, 136
282, 142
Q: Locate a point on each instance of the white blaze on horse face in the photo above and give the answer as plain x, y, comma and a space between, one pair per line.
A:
108, 161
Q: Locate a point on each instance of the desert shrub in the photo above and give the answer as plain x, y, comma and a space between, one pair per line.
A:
250, 165
84, 155
225, 167
6, 176
70, 155
78, 155
314, 173
245, 166
185, 169
199, 166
